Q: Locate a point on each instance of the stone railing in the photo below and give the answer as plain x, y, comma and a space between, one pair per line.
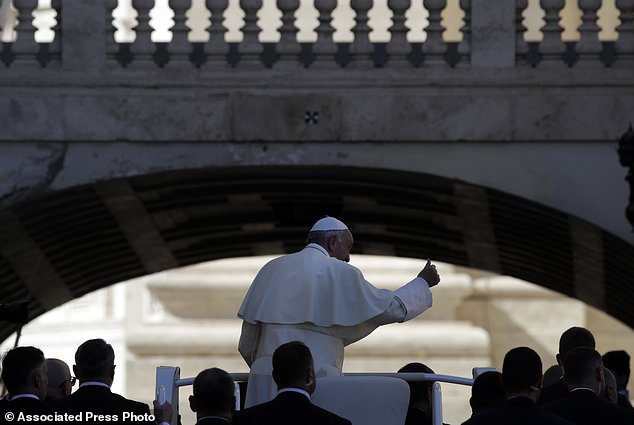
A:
489, 33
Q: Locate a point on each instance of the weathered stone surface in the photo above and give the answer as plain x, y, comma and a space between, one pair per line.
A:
492, 33
27, 116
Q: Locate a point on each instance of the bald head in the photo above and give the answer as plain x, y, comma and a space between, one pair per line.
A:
59, 379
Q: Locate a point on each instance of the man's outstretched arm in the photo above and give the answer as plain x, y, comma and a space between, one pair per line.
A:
415, 295
409, 301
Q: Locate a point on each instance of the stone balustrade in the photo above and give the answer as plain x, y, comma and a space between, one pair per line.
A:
492, 35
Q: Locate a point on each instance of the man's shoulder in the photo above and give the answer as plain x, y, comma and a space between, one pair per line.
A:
510, 413
252, 414
133, 405
24, 405
266, 412
327, 416
571, 400
494, 417
88, 396
623, 401
586, 406
253, 411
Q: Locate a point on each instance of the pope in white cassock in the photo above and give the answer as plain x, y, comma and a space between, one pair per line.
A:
315, 296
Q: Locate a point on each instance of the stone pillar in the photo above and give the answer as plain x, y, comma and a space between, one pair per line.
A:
84, 35
492, 34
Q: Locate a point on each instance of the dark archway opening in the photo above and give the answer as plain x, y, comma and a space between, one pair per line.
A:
75, 241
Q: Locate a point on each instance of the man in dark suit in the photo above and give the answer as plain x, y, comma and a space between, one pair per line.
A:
570, 339
294, 375
582, 406
24, 375
94, 367
213, 399
522, 377
619, 363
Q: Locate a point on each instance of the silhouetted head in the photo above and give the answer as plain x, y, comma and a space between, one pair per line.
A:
293, 367
24, 372
584, 369
619, 363
213, 394
573, 338
60, 382
94, 361
552, 375
487, 392
522, 372
419, 391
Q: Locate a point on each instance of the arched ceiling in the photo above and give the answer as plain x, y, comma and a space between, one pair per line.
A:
61, 245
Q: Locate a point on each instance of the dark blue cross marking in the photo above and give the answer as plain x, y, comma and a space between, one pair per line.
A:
311, 118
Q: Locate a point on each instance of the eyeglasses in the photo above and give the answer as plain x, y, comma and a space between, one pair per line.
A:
72, 381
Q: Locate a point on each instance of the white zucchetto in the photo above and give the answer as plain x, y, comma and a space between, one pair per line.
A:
328, 223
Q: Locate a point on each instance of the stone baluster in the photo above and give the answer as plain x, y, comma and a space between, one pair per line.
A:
521, 47
143, 48
25, 48
398, 48
250, 48
589, 47
56, 46
552, 47
288, 47
464, 48
325, 48
625, 42
112, 48
180, 48
434, 47
217, 48
361, 49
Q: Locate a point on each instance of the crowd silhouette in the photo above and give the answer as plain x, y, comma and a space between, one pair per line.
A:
585, 388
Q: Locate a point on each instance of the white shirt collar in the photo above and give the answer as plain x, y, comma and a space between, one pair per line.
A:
318, 248
94, 383
213, 417
294, 390
25, 395
583, 389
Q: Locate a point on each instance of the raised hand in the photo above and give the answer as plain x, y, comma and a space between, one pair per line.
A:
430, 274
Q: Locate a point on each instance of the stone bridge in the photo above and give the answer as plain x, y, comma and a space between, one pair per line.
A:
494, 152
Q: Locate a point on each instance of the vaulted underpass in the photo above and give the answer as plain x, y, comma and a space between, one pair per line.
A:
61, 245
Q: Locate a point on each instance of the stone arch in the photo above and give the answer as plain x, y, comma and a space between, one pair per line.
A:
61, 245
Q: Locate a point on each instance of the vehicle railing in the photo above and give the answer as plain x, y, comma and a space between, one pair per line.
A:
168, 381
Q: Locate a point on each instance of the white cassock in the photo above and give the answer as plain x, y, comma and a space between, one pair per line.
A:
324, 302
